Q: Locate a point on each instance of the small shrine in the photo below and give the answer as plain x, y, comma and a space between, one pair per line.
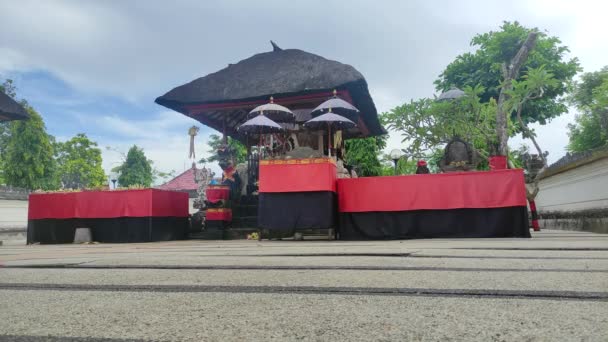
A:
293, 110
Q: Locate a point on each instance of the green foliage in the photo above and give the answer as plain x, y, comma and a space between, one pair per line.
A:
27, 156
590, 131
136, 169
215, 142
405, 166
484, 67
363, 155
531, 86
79, 161
426, 124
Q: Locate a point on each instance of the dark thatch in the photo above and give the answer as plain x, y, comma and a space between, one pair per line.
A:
223, 99
10, 109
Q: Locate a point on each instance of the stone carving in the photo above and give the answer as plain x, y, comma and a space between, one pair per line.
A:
303, 152
202, 177
458, 156
341, 171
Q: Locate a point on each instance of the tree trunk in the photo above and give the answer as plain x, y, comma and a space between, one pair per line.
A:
510, 72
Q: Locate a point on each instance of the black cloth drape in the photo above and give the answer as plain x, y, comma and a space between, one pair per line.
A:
109, 230
297, 210
453, 223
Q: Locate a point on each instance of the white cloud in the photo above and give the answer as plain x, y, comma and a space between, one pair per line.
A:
137, 50
163, 137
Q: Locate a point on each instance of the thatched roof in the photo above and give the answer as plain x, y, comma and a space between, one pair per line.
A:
10, 109
297, 79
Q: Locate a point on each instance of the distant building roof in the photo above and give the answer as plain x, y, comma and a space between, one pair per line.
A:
183, 182
10, 109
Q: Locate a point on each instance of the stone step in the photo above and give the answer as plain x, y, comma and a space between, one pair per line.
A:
244, 221
245, 210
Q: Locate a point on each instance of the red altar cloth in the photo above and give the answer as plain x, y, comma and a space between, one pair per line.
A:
108, 204
297, 175
494, 189
216, 193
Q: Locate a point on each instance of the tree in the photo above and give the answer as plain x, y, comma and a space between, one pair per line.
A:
215, 142
136, 169
427, 124
27, 158
517, 95
510, 73
7, 87
496, 49
363, 154
405, 166
79, 163
590, 130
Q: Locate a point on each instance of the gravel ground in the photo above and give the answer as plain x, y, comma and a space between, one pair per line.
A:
558, 281
551, 261
238, 317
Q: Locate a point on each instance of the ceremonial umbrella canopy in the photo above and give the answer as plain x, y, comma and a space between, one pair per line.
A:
273, 111
451, 94
260, 125
328, 121
10, 109
338, 106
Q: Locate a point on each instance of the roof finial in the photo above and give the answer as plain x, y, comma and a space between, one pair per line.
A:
275, 47
335, 93
271, 99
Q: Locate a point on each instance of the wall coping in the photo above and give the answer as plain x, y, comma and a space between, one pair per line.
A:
11, 193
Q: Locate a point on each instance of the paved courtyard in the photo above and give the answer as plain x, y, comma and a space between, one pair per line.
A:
548, 288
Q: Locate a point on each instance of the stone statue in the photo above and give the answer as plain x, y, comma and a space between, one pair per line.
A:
458, 156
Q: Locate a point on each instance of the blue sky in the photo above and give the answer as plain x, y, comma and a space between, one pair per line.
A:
111, 121
97, 66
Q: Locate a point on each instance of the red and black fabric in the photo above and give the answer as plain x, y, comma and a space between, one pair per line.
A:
534, 215
216, 193
297, 194
113, 216
470, 204
218, 214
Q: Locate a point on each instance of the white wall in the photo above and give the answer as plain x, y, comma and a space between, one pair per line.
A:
581, 188
13, 214
191, 209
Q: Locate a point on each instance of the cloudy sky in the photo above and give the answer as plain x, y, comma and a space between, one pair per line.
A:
97, 66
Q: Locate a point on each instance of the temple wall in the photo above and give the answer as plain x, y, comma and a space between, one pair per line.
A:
13, 208
581, 188
576, 199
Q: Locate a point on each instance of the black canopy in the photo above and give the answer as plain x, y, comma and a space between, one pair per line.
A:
10, 109
297, 79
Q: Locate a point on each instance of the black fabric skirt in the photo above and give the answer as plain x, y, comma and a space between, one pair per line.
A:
297, 210
120, 229
423, 224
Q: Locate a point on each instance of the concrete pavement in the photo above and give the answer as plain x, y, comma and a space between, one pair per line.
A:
551, 287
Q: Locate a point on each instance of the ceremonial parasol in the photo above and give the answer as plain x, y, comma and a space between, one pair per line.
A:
451, 94
10, 109
329, 120
273, 111
338, 106
260, 125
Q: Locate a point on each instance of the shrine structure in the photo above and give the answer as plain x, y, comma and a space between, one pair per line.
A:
293, 110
